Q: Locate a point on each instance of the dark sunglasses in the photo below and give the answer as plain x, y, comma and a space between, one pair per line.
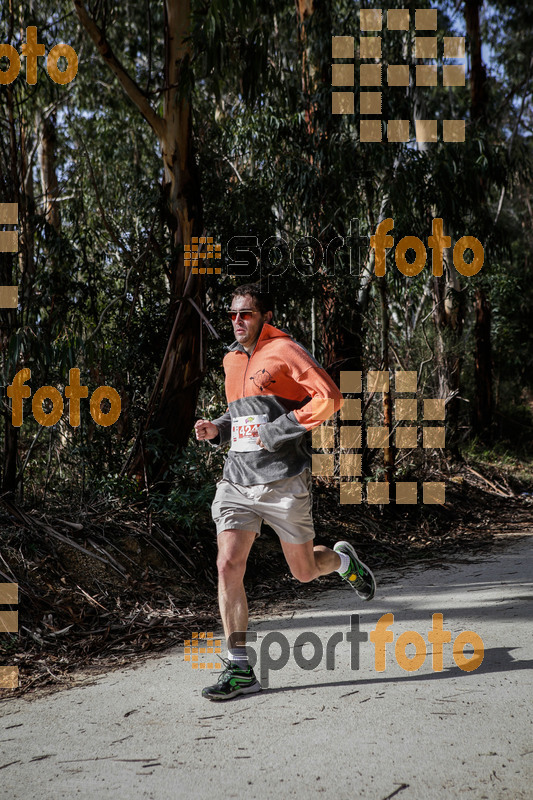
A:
243, 314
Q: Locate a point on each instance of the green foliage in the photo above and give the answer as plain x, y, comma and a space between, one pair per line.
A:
187, 505
115, 488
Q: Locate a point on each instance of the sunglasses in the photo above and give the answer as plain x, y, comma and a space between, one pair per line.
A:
243, 314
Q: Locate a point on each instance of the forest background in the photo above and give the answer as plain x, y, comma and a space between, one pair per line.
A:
215, 119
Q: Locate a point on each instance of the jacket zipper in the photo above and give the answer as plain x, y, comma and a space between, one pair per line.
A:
248, 364
245, 371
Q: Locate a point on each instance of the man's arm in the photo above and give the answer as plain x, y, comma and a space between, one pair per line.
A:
325, 400
218, 431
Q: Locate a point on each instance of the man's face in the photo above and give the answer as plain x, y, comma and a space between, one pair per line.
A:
247, 330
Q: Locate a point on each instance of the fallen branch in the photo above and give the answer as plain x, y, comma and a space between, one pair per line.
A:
489, 483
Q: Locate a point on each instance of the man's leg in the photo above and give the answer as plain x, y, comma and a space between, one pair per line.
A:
307, 562
238, 677
287, 508
233, 549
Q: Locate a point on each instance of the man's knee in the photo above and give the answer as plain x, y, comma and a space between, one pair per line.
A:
233, 550
231, 567
304, 573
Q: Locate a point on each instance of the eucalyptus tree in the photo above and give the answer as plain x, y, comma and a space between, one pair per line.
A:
32, 334
507, 29
192, 44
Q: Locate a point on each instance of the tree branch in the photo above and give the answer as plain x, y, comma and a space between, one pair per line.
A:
131, 88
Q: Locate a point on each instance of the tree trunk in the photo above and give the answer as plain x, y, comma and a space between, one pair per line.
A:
482, 332
27, 212
9, 193
46, 130
341, 339
48, 173
173, 412
388, 452
478, 75
171, 408
448, 318
483, 365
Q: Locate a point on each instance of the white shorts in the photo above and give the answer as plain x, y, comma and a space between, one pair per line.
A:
286, 505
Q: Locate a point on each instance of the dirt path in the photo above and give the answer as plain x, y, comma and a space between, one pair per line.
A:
331, 733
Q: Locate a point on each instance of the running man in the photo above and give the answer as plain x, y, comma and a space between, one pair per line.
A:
274, 389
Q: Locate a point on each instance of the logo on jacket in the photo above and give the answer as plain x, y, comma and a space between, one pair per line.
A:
262, 379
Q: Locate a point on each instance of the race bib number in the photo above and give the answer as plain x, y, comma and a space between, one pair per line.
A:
244, 432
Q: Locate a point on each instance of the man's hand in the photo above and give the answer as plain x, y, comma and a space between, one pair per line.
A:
205, 429
260, 443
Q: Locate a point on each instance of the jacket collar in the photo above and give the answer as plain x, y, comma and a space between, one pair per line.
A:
267, 332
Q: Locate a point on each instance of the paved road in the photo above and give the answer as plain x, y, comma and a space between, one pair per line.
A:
146, 732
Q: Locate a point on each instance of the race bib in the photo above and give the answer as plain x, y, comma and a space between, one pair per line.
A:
244, 432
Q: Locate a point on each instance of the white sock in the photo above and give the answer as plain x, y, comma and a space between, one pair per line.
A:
345, 563
239, 656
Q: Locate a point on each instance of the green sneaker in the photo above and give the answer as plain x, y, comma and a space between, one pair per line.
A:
358, 575
231, 682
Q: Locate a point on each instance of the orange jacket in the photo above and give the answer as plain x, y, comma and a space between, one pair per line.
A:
282, 381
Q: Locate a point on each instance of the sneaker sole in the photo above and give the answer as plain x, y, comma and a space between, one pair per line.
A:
256, 687
354, 555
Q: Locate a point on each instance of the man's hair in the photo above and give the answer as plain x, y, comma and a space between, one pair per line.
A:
263, 300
